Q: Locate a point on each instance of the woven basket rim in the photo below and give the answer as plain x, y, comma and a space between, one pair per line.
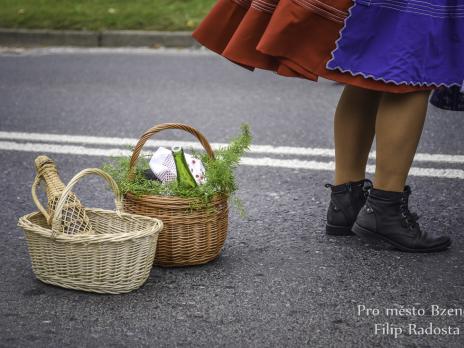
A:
218, 197
154, 227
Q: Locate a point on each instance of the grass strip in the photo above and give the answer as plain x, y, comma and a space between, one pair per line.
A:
168, 15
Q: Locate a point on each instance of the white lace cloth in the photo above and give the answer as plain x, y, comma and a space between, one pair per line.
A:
163, 166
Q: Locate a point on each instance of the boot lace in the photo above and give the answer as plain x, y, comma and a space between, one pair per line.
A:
367, 185
409, 219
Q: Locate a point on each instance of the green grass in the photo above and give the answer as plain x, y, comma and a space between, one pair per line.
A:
103, 14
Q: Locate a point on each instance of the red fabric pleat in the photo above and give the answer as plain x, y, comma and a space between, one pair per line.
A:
294, 38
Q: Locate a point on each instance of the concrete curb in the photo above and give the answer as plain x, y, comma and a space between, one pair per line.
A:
109, 38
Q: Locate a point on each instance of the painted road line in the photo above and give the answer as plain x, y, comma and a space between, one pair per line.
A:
315, 165
257, 149
93, 140
262, 161
63, 149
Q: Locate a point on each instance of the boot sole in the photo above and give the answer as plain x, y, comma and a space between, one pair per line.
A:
333, 230
369, 235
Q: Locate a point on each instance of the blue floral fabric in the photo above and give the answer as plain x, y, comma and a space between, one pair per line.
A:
448, 98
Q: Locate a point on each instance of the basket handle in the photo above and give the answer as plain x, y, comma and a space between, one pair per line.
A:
39, 205
152, 131
56, 219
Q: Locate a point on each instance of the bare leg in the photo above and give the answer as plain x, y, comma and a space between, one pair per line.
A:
354, 128
398, 128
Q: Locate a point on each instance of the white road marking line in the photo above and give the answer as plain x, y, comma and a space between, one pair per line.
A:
315, 165
263, 161
258, 149
62, 149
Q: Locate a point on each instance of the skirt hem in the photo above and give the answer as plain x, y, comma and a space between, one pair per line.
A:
291, 38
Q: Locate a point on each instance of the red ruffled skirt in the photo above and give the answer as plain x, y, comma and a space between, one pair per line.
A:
293, 38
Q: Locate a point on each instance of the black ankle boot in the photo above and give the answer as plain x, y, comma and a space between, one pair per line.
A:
386, 217
345, 202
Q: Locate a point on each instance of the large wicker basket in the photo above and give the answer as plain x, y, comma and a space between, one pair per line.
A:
190, 236
115, 258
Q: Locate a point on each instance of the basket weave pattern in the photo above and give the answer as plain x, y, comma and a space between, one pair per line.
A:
117, 258
190, 236
74, 219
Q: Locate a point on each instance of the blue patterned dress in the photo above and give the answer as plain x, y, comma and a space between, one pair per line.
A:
415, 42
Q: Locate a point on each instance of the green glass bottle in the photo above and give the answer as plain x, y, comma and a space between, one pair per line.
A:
184, 176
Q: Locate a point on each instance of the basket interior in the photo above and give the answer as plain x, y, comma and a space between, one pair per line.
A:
39, 219
104, 222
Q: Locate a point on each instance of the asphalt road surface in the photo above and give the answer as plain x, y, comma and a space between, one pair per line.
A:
280, 281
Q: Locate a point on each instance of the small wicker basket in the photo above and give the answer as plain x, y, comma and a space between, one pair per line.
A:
115, 258
190, 236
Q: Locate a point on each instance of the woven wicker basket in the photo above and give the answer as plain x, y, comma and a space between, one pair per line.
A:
190, 237
115, 258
